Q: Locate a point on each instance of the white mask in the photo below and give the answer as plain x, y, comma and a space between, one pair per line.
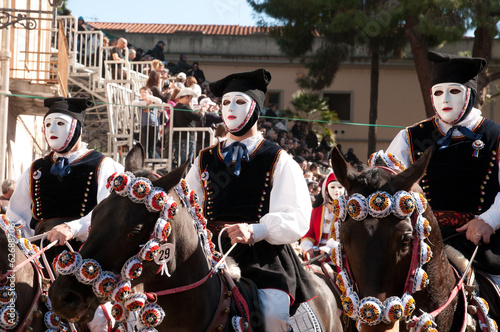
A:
59, 129
450, 101
237, 109
335, 189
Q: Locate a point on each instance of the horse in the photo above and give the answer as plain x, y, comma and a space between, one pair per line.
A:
377, 249
192, 297
26, 282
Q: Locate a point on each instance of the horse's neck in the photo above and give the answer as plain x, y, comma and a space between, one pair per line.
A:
442, 280
26, 287
200, 301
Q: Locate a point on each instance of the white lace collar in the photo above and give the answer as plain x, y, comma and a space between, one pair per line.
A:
250, 142
73, 155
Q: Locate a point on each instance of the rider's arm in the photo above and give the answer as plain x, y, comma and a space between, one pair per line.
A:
289, 208
492, 215
20, 203
399, 147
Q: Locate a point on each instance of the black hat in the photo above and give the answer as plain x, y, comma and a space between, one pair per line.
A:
454, 68
253, 83
74, 107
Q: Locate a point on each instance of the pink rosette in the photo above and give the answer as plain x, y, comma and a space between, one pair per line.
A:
350, 304
370, 311
88, 272
122, 182
336, 254
68, 262
393, 309
105, 285
420, 202
152, 315
420, 280
156, 200
357, 207
135, 301
404, 204
162, 230
110, 180
335, 230
149, 250
52, 321
408, 304
343, 281
424, 323
4, 222
339, 208
379, 204
132, 268
425, 253
122, 291
423, 228
193, 198
170, 209
139, 190
7, 295
118, 312
184, 187
9, 318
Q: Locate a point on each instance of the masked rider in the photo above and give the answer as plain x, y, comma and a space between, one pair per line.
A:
255, 188
462, 179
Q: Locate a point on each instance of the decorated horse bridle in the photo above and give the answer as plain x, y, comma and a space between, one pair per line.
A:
380, 204
118, 289
9, 317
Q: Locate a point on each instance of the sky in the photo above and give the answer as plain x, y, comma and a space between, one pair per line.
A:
227, 12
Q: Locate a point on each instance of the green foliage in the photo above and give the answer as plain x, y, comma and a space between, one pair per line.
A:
311, 106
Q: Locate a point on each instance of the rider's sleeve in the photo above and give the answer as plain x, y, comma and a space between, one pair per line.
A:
400, 148
80, 227
20, 203
194, 181
290, 205
492, 215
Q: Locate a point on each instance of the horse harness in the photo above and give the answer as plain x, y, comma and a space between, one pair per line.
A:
107, 284
370, 310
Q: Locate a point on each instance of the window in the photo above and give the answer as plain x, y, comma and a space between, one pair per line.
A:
274, 97
340, 102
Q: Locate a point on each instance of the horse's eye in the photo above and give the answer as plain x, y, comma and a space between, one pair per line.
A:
406, 239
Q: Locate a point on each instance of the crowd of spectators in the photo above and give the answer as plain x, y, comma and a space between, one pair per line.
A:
168, 81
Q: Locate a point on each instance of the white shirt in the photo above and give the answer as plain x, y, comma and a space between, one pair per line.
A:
400, 148
290, 205
20, 203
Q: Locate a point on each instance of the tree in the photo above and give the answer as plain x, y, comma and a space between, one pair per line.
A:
346, 29
312, 107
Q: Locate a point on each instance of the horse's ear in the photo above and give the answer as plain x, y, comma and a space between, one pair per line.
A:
342, 169
171, 178
135, 158
406, 179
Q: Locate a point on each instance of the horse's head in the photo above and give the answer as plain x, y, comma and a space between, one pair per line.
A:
377, 247
119, 229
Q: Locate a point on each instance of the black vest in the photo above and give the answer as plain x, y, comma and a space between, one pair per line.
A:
456, 180
243, 198
73, 197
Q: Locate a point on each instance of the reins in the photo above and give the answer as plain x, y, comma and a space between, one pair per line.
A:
453, 292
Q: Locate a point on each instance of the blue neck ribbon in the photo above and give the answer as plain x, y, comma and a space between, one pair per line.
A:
60, 168
444, 142
242, 153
